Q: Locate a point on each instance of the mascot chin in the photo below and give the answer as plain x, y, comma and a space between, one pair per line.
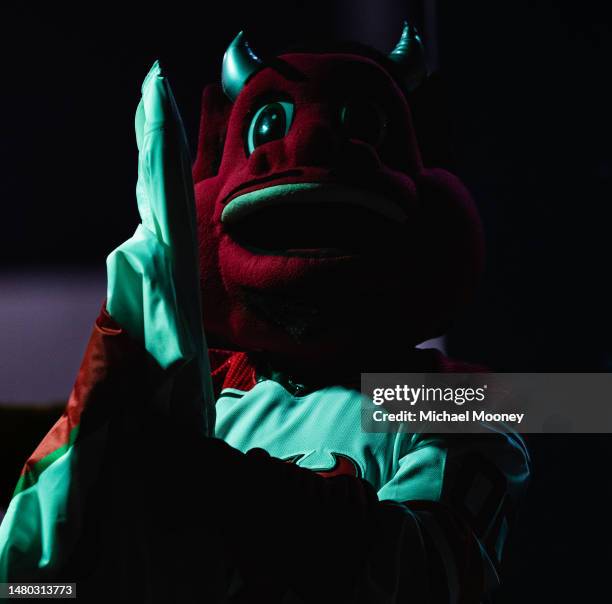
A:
212, 447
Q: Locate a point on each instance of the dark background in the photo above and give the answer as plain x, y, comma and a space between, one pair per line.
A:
519, 109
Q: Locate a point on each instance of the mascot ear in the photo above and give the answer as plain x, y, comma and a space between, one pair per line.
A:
216, 108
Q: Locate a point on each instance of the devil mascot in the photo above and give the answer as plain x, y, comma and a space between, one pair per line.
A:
211, 449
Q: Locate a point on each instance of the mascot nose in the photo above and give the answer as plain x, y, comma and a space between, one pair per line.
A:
323, 147
356, 157
318, 146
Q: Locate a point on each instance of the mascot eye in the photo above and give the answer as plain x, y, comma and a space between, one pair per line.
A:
271, 122
364, 121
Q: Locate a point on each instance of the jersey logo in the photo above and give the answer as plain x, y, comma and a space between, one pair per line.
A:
343, 466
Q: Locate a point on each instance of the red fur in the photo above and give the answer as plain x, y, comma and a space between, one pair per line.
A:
378, 302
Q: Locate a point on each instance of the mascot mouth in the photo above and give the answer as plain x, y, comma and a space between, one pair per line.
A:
313, 219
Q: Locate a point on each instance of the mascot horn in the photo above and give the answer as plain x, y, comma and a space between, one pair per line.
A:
240, 62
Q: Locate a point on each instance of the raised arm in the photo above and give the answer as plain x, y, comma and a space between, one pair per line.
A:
146, 358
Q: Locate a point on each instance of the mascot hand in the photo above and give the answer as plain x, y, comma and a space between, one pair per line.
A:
153, 278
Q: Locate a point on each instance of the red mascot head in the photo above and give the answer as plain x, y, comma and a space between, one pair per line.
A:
322, 235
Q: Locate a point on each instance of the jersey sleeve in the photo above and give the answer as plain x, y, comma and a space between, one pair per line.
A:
462, 492
44, 517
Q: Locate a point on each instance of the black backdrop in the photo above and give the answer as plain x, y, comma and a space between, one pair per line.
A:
519, 109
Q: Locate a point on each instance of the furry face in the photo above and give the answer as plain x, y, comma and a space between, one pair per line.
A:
321, 232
